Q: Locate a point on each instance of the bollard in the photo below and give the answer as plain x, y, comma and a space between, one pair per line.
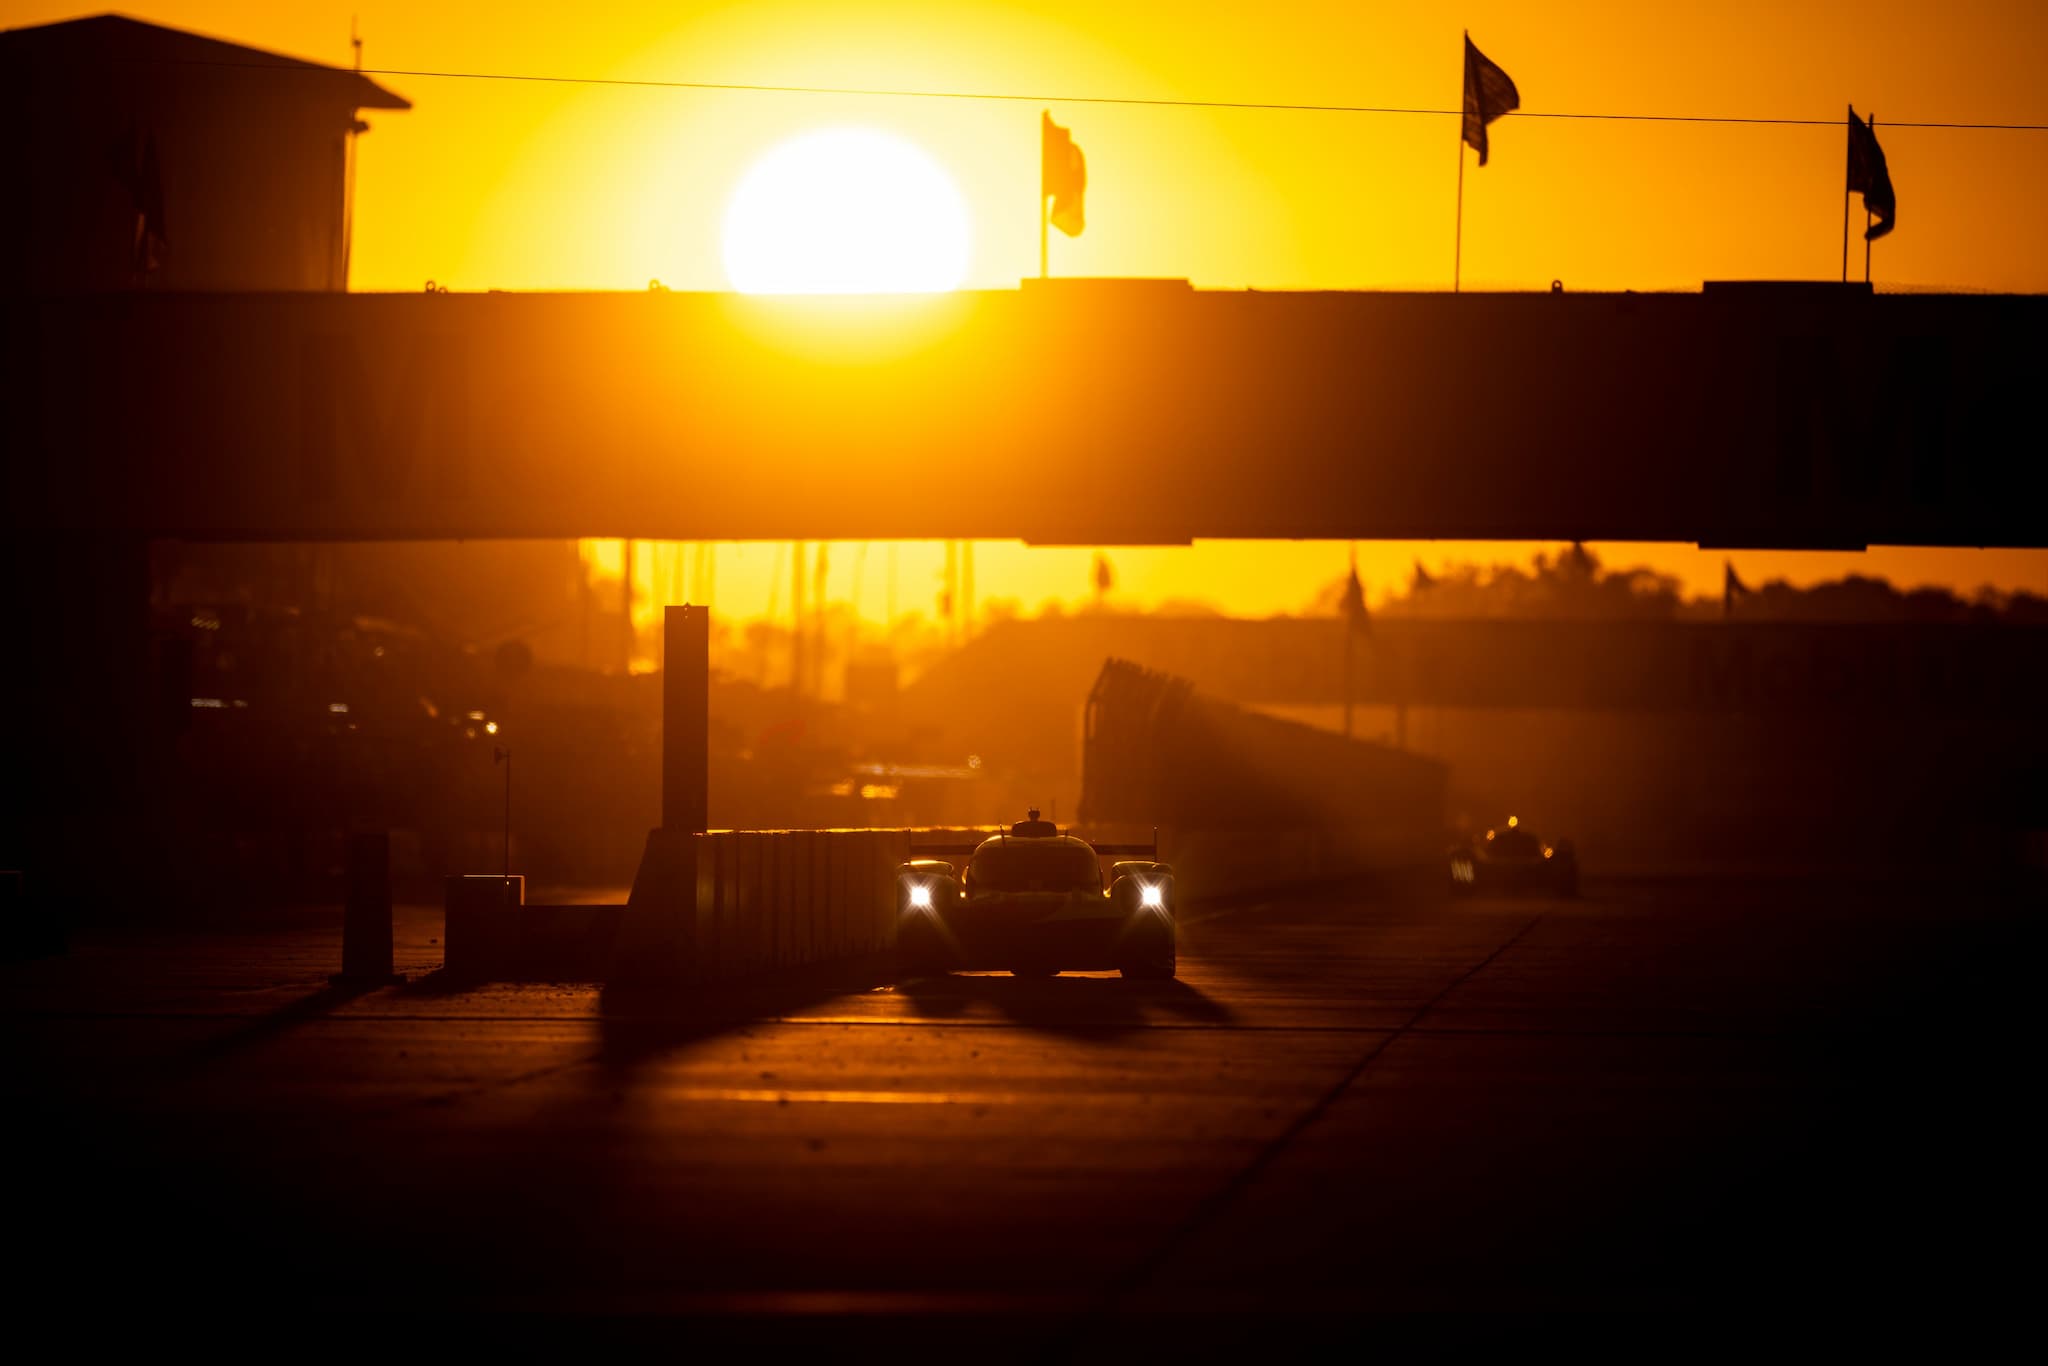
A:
366, 919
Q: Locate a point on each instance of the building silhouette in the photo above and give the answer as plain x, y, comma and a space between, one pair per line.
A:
146, 157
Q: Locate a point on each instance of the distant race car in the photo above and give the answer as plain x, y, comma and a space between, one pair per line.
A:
1513, 858
1034, 901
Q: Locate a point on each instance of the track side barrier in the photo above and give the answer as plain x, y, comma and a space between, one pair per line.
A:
739, 903
734, 904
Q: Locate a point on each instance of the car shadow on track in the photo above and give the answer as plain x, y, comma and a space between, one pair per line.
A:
1076, 1006
638, 1022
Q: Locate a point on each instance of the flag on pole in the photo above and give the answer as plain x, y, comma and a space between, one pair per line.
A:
1355, 614
1062, 176
1732, 587
1489, 93
1870, 177
1103, 575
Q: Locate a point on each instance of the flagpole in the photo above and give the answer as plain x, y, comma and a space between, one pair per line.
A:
1849, 130
1458, 239
1350, 629
1044, 252
1872, 120
1458, 248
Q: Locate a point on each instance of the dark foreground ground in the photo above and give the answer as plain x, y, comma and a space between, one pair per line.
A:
1758, 1104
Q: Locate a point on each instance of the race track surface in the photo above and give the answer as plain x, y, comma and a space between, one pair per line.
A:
1728, 1099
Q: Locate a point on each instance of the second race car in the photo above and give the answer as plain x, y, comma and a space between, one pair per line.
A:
1513, 858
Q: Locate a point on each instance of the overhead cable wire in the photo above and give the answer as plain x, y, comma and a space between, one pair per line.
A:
1020, 98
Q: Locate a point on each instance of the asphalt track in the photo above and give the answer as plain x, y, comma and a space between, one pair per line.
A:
1740, 1101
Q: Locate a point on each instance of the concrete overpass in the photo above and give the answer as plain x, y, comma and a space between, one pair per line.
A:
1075, 411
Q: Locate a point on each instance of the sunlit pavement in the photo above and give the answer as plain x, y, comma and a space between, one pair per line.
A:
1737, 1096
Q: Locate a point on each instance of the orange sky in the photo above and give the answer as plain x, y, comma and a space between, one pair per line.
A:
488, 184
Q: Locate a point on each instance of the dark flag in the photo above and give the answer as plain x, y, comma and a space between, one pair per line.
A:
1489, 93
1732, 587
1354, 604
1423, 578
1870, 177
1062, 176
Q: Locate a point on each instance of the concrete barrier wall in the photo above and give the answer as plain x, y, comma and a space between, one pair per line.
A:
738, 903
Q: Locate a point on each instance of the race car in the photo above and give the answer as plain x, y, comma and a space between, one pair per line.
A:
1513, 858
1034, 901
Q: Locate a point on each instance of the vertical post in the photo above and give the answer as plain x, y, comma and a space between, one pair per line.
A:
1458, 242
686, 719
1458, 239
1044, 251
508, 814
366, 919
1866, 213
1849, 131
967, 586
583, 597
626, 605
348, 165
952, 593
1349, 630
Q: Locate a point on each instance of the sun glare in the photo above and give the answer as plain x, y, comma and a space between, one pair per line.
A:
846, 211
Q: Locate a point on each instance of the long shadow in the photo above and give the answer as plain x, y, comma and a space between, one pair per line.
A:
639, 1021
1074, 1007
270, 1026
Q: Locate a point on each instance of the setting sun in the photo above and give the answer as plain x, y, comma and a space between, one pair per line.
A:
846, 211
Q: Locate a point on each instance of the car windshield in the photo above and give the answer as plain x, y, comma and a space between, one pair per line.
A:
1029, 866
1513, 844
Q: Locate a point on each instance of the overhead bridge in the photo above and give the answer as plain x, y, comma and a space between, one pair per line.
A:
1064, 412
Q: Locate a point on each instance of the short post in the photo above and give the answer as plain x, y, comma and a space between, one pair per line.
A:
686, 719
366, 917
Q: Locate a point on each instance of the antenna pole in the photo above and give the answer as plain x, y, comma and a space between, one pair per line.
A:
500, 754
1850, 130
1458, 238
1866, 214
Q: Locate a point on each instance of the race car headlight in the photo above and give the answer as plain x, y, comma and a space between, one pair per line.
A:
1152, 894
921, 896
